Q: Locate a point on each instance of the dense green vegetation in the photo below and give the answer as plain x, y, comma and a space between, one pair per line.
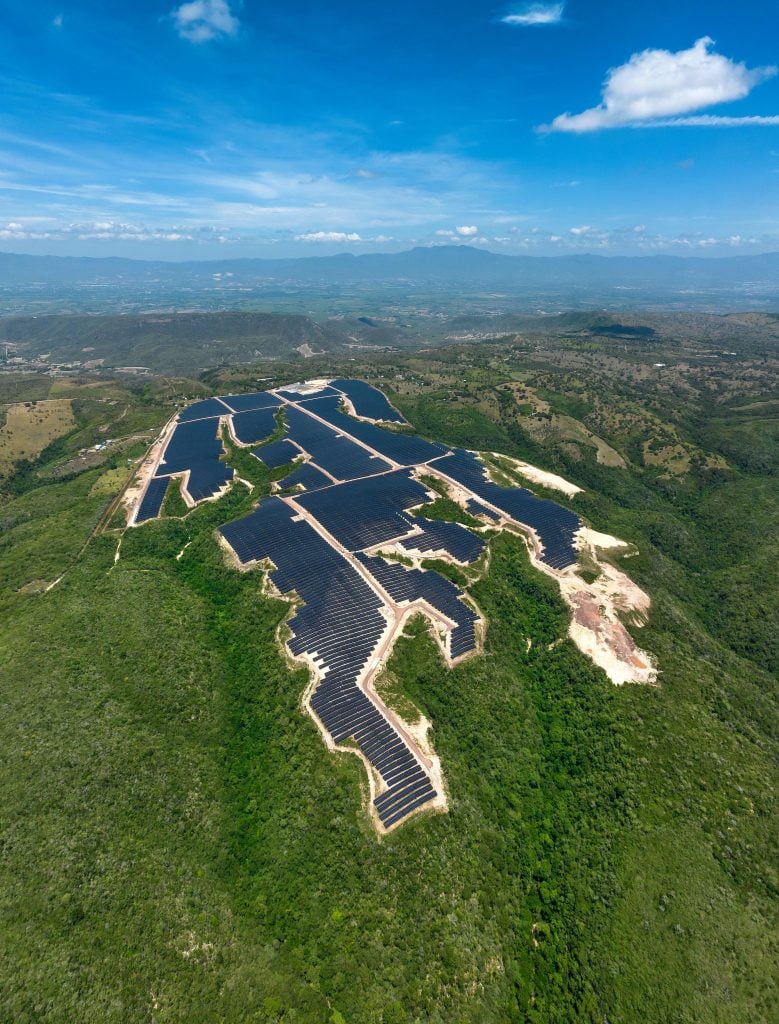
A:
178, 846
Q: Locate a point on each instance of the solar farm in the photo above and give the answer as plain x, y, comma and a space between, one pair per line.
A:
341, 538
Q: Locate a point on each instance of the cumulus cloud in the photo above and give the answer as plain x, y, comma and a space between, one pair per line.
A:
658, 87
329, 236
467, 230
203, 20
535, 14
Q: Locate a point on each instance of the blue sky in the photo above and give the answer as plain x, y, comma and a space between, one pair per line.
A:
220, 128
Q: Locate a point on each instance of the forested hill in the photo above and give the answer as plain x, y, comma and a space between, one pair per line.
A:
175, 343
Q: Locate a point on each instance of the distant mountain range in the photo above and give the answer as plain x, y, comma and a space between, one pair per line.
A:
446, 264
459, 272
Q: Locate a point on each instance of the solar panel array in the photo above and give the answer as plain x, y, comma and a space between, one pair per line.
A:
152, 500
341, 457
195, 446
201, 410
254, 425
339, 626
257, 400
363, 513
300, 396
342, 619
408, 585
277, 453
404, 449
307, 476
477, 509
556, 526
368, 401
437, 535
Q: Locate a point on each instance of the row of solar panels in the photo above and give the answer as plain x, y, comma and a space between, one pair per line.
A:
338, 625
556, 526
366, 400
409, 585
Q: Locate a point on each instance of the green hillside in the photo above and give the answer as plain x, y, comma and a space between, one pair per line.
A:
179, 847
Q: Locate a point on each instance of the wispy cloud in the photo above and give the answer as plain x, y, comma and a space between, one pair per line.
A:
717, 121
658, 87
535, 14
203, 20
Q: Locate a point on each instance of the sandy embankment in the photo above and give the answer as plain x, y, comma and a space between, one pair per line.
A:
596, 627
541, 476
598, 607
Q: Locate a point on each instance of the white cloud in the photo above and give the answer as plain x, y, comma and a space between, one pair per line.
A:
203, 20
656, 85
329, 236
467, 230
585, 229
535, 14
57, 21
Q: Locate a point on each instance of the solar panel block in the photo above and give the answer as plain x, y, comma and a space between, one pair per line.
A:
257, 400
200, 410
196, 447
277, 453
341, 457
254, 425
338, 623
368, 401
477, 509
452, 538
363, 513
556, 526
404, 449
403, 584
298, 396
354, 490
152, 500
308, 477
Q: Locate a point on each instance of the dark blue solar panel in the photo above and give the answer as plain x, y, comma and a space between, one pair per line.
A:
197, 447
307, 476
477, 509
368, 401
556, 526
295, 396
404, 449
207, 478
210, 407
404, 584
258, 400
277, 453
254, 425
452, 538
341, 457
363, 513
338, 624
152, 499
189, 443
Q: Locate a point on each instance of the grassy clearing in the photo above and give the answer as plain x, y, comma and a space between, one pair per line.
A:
31, 426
